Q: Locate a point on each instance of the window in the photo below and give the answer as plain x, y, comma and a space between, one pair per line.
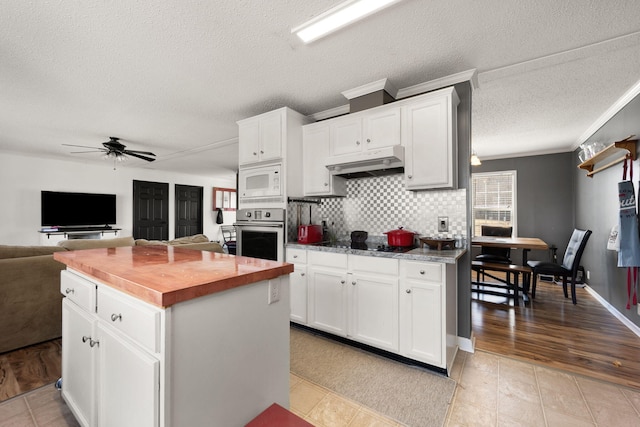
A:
224, 198
494, 200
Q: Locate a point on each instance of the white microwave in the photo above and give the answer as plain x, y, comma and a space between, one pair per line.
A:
261, 184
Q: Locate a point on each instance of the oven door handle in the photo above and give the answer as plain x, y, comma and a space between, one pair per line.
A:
259, 224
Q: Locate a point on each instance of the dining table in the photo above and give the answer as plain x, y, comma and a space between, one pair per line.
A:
525, 243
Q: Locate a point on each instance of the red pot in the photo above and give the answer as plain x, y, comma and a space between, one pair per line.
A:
400, 237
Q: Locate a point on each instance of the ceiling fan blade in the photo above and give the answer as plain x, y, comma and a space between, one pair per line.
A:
148, 153
92, 151
148, 159
82, 146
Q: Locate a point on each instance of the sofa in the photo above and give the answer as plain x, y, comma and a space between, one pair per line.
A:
30, 298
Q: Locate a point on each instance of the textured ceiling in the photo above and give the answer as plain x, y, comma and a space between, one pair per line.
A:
173, 77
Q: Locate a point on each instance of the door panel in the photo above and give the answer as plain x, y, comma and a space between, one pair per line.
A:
188, 210
150, 210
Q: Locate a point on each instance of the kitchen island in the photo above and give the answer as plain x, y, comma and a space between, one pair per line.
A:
165, 336
403, 305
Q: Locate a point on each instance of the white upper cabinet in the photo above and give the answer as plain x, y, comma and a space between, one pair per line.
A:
261, 137
375, 128
429, 134
317, 179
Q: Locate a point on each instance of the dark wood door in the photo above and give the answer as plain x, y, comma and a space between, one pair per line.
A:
188, 210
150, 210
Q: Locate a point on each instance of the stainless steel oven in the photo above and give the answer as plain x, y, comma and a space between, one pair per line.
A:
260, 233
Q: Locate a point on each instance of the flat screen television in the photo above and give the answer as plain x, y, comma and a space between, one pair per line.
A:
77, 209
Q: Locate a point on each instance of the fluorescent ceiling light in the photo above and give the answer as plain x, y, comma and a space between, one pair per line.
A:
338, 17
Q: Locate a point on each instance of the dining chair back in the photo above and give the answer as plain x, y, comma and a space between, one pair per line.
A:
568, 268
229, 238
499, 255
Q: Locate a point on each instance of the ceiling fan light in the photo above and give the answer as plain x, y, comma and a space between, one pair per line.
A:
338, 17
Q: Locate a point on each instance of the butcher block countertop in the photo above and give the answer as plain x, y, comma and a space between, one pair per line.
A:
166, 275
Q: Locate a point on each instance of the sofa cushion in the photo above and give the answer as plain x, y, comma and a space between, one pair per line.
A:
10, 251
196, 238
78, 244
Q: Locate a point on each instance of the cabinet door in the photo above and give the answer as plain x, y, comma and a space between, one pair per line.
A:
129, 385
346, 136
382, 129
327, 302
298, 293
271, 136
315, 146
78, 362
421, 326
249, 142
374, 310
429, 135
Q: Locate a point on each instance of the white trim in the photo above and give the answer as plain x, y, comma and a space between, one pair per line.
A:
382, 84
330, 113
469, 75
467, 344
607, 115
621, 317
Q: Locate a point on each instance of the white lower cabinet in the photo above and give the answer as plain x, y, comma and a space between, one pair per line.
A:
328, 292
373, 301
428, 323
128, 363
108, 379
298, 285
402, 306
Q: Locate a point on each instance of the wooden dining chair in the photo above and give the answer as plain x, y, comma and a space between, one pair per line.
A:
569, 266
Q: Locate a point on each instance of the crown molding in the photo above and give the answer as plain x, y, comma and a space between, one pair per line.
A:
469, 75
382, 84
609, 113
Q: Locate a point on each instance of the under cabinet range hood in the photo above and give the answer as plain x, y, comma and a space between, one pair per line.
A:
375, 162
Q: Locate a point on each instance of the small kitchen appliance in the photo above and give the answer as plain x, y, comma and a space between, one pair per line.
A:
309, 234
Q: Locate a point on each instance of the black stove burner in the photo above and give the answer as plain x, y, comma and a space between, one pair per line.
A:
396, 249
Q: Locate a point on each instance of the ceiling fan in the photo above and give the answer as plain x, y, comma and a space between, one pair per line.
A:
116, 150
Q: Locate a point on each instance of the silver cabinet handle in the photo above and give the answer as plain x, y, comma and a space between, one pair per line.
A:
326, 184
115, 317
302, 274
368, 140
93, 343
421, 271
85, 339
261, 151
410, 176
69, 291
255, 154
357, 142
408, 291
353, 283
295, 256
342, 282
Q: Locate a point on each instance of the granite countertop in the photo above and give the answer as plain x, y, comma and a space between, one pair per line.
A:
166, 275
447, 256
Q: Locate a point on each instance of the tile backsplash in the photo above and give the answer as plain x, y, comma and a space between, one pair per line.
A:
380, 204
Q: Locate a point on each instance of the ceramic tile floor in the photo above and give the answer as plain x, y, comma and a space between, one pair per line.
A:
492, 391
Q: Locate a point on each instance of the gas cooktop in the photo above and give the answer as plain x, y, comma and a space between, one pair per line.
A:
367, 246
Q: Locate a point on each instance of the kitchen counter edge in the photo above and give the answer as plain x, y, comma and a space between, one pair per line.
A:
419, 254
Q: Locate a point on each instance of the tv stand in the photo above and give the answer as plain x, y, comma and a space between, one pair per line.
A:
51, 236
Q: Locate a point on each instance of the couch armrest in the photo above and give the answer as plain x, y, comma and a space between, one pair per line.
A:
30, 301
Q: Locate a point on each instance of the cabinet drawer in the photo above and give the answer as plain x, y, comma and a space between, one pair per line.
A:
327, 259
370, 264
432, 272
79, 290
138, 320
297, 256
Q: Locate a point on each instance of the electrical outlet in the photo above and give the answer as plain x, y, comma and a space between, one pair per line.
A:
274, 291
443, 224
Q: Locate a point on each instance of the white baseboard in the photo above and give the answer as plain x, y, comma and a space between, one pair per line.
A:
621, 317
467, 344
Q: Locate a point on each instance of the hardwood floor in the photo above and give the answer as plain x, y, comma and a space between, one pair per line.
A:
584, 339
29, 368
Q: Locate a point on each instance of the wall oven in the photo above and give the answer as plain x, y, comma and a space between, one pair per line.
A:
260, 233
